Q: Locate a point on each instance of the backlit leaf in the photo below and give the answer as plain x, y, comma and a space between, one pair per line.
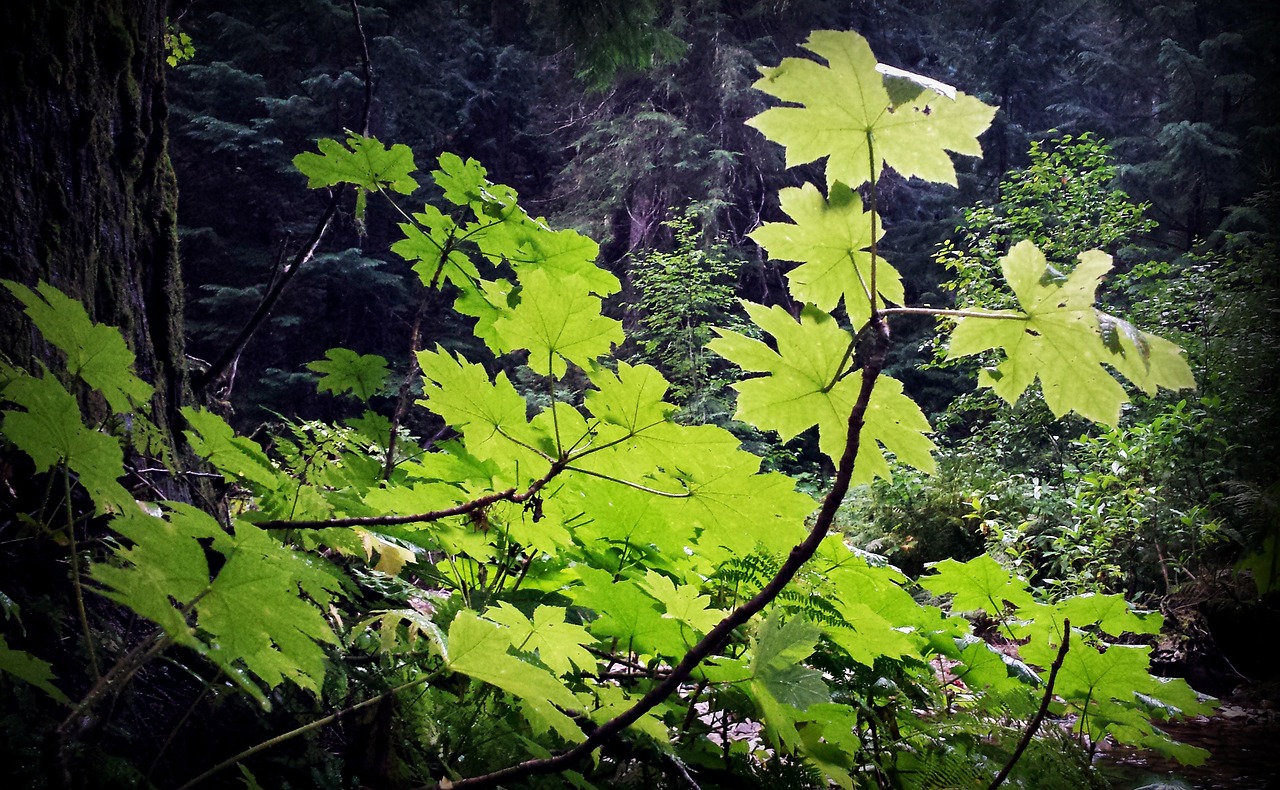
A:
832, 240
845, 104
1057, 337
363, 161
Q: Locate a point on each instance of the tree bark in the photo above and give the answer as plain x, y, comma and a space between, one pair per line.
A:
90, 199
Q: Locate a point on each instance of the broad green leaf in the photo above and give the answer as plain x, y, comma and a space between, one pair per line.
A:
1057, 338
558, 644
427, 243
490, 414
233, 456
631, 397
795, 685
803, 387
869, 635
164, 566
980, 583
682, 603
783, 685
363, 161
255, 614
251, 617
51, 432
346, 371
478, 648
832, 240
1110, 613
779, 643
463, 182
845, 105
558, 320
829, 740
26, 667
629, 614
562, 254
95, 352
1146, 360
807, 385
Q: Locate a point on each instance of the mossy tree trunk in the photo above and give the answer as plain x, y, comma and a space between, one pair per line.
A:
89, 196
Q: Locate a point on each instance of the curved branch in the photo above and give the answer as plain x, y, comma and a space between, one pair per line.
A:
718, 636
461, 509
1044, 708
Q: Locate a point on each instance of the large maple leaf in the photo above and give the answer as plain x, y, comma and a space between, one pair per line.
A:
1059, 337
847, 107
806, 386
831, 238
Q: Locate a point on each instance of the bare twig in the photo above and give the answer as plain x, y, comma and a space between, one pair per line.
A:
1040, 714
231, 354
311, 725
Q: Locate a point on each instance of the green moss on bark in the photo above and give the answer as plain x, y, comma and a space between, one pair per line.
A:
90, 192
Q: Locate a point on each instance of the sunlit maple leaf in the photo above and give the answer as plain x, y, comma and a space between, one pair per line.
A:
831, 238
805, 386
1058, 337
363, 161
346, 371
558, 320
849, 115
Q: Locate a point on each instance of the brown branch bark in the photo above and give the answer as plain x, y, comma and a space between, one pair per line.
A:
461, 509
872, 355
1040, 714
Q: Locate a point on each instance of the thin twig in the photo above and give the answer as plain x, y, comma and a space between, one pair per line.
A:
267, 744
304, 256
1040, 714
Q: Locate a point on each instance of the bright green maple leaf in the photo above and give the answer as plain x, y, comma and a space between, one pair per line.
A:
344, 370
806, 386
558, 321
479, 649
232, 455
256, 616
26, 667
251, 617
1058, 338
846, 104
832, 240
803, 387
463, 395
981, 583
630, 398
164, 565
426, 244
363, 161
782, 684
558, 644
1112, 614
51, 432
628, 613
682, 603
95, 352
